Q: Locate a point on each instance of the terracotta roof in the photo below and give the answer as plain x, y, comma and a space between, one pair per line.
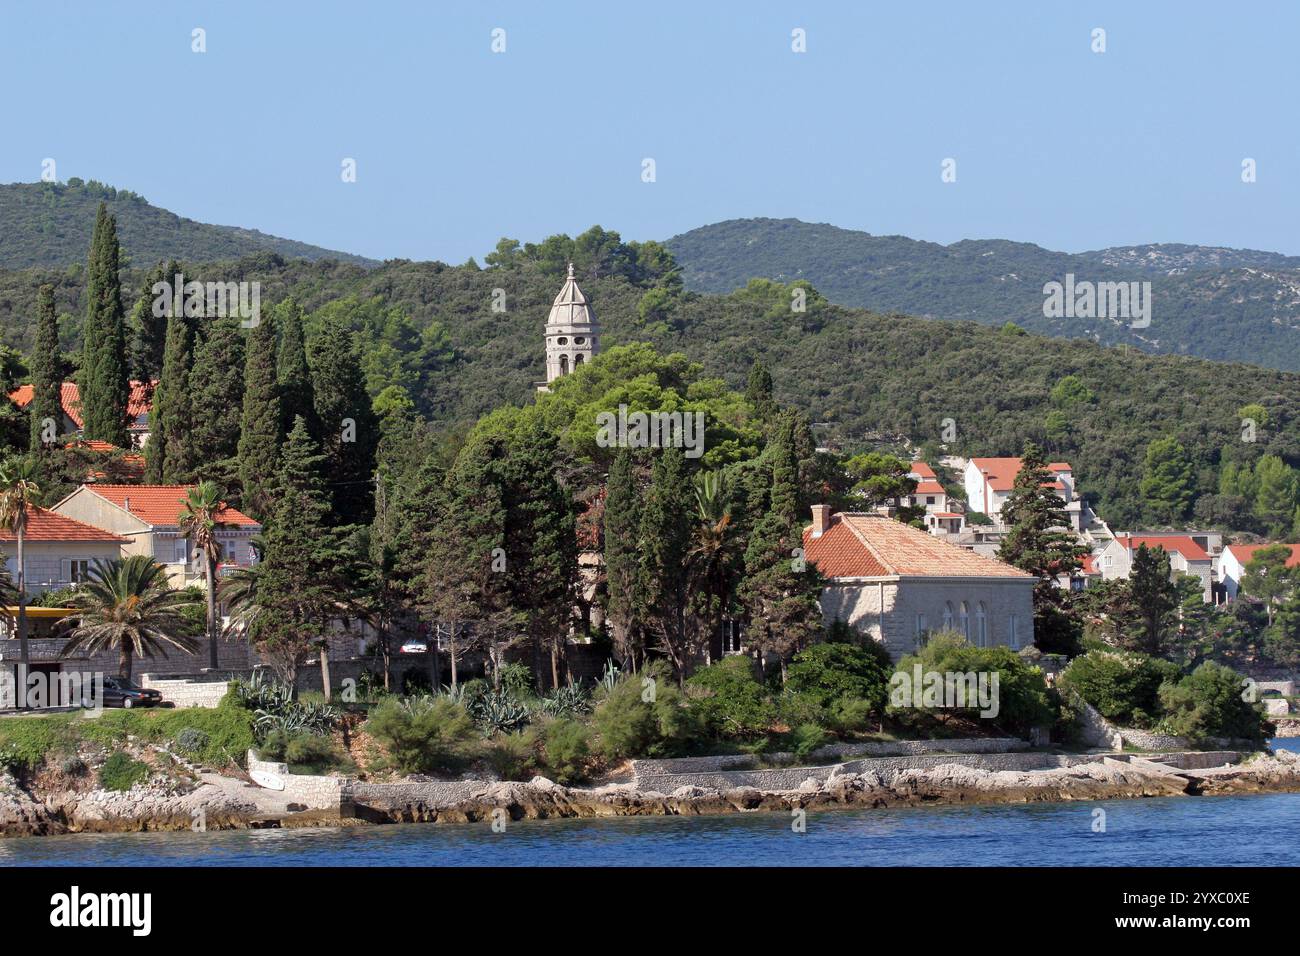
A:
1089, 564
138, 401
1181, 543
922, 470
1001, 472
1244, 552
947, 514
869, 545
46, 525
161, 504
928, 487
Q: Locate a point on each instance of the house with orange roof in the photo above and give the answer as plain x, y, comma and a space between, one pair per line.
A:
148, 517
929, 493
898, 583
988, 483
138, 403
1235, 557
1186, 556
58, 550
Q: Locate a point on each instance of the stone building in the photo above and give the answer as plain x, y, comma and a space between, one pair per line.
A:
572, 333
897, 583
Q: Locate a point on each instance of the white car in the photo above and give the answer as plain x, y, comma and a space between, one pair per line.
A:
415, 645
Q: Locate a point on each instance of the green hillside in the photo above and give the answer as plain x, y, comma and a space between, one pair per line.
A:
1235, 305
48, 224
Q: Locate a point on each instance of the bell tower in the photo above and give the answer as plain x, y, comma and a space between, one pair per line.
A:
572, 334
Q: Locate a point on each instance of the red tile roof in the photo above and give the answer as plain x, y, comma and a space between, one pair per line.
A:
869, 545
161, 504
922, 470
1181, 543
1244, 552
1089, 564
1001, 472
928, 487
138, 401
46, 525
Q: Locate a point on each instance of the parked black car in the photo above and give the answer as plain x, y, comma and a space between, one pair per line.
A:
119, 692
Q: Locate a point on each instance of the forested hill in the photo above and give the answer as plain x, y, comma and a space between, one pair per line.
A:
47, 224
429, 330
1239, 305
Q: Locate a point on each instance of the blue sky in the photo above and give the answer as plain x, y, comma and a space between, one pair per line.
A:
457, 146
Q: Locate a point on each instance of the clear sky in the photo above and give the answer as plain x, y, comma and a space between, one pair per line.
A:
457, 146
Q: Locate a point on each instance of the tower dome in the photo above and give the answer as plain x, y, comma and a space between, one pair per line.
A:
572, 334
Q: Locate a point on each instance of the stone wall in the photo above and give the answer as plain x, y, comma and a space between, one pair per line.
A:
188, 693
314, 793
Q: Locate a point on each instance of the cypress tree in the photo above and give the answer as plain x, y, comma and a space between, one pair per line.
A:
47, 372
625, 604
781, 591
665, 543
259, 432
303, 562
149, 331
296, 394
217, 393
349, 430
103, 376
171, 455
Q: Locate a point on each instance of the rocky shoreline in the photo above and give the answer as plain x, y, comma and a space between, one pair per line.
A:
214, 802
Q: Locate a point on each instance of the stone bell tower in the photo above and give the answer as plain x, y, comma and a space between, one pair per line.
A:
572, 335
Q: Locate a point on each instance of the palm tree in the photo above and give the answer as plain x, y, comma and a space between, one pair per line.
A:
18, 493
714, 553
198, 522
128, 604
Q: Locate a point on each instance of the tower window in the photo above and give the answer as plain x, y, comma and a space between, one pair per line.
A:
577, 360
578, 340
564, 365
561, 341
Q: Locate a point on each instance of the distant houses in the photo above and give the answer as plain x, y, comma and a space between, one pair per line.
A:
1233, 561
138, 405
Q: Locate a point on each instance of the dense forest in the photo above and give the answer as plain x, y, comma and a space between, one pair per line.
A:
1234, 305
428, 332
46, 224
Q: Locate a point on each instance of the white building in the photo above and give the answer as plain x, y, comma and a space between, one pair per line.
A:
572, 333
1235, 557
1185, 557
988, 483
57, 550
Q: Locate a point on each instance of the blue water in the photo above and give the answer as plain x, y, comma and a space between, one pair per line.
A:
1246, 830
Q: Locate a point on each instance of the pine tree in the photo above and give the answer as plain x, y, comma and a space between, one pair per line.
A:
665, 544
349, 429
47, 373
217, 390
102, 378
259, 433
1167, 481
781, 591
625, 604
171, 454
296, 394
1154, 595
1039, 542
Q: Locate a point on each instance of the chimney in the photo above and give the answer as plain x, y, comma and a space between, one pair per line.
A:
821, 515
127, 503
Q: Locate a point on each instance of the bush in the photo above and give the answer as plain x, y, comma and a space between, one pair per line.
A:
513, 756
27, 740
806, 738
1207, 703
122, 772
833, 671
1124, 686
730, 701
644, 720
567, 744
423, 734
794, 708
1022, 701
499, 712
517, 680
191, 740
850, 716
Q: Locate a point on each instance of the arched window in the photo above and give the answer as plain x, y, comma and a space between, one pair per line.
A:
577, 360
562, 341
564, 365
947, 616
578, 340
965, 620
981, 625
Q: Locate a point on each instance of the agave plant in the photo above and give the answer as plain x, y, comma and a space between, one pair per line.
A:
498, 712
569, 701
610, 677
